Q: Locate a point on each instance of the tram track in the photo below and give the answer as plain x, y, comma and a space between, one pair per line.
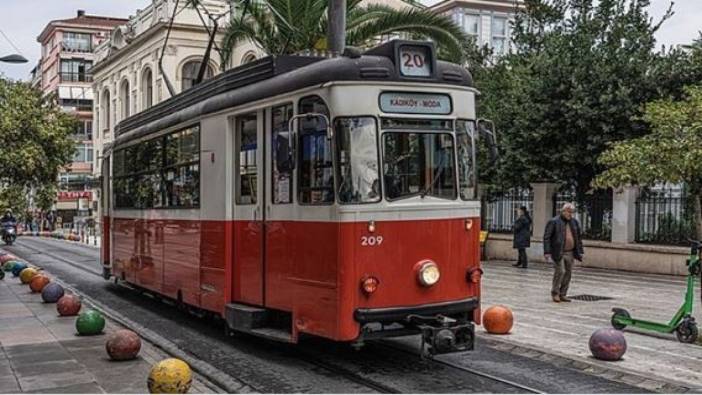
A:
383, 366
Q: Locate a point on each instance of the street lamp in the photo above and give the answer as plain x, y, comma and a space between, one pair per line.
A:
14, 58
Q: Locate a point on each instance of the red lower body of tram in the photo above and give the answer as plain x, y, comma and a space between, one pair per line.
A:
314, 271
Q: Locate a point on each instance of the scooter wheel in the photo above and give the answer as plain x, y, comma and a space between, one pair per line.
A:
687, 331
619, 313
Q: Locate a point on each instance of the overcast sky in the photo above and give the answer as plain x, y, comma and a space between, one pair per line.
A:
23, 20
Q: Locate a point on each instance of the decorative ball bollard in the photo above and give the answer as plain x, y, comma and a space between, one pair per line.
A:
607, 344
38, 283
26, 275
90, 323
17, 269
7, 258
123, 345
2, 274
498, 320
68, 305
52, 292
8, 266
170, 376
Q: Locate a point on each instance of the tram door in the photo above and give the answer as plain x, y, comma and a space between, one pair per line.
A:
248, 265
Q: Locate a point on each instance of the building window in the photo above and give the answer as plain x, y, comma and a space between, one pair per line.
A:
471, 25
75, 70
105, 111
124, 98
499, 35
147, 87
76, 104
76, 42
189, 74
84, 130
248, 58
83, 154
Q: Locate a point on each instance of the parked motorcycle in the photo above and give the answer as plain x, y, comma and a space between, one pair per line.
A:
9, 232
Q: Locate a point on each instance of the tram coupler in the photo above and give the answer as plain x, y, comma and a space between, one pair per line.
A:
442, 335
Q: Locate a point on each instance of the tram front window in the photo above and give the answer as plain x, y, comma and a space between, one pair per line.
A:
418, 164
357, 154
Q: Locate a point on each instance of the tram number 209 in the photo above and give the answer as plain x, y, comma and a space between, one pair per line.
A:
371, 241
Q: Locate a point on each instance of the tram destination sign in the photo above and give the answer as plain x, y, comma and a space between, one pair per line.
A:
415, 103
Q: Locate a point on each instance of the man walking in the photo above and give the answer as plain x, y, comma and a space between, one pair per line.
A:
562, 246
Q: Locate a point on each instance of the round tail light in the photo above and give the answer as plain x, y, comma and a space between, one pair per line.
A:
474, 274
369, 285
428, 273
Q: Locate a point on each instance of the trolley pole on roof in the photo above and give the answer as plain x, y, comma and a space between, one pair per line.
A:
337, 27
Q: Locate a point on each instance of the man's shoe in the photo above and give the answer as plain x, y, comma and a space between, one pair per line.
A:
517, 264
523, 266
564, 299
556, 298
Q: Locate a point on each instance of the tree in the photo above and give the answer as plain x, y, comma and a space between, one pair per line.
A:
672, 152
34, 142
290, 26
575, 82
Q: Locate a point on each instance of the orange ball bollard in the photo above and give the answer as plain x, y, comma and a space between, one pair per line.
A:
498, 320
38, 283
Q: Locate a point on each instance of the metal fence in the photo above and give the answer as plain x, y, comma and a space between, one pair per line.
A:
594, 212
500, 209
664, 216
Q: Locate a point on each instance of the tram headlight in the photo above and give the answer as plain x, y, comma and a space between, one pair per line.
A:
428, 273
474, 274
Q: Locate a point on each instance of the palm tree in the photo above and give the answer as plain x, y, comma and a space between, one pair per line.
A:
292, 26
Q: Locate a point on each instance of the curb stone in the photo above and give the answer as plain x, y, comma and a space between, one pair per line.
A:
218, 380
577, 363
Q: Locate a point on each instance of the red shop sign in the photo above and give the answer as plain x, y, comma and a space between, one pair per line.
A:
74, 195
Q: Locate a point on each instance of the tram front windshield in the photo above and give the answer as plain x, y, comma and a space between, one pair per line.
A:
418, 164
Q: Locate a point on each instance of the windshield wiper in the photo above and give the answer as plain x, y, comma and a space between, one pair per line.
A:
435, 177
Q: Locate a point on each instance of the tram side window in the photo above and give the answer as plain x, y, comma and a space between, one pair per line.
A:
181, 171
357, 154
161, 172
316, 173
247, 147
465, 132
282, 166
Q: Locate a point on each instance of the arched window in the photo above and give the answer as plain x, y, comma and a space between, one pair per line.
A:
248, 58
105, 111
189, 74
124, 98
147, 89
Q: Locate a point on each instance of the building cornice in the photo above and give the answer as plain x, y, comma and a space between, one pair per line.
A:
492, 5
139, 40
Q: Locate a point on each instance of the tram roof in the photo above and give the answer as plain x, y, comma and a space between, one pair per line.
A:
276, 75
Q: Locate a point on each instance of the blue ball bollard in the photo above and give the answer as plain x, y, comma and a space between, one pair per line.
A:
52, 292
17, 268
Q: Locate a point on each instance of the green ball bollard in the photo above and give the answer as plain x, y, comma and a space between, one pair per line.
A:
8, 266
90, 323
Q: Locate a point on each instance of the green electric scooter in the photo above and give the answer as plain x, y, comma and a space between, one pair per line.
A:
683, 324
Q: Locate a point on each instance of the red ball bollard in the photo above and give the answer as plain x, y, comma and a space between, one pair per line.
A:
607, 344
123, 345
39, 282
498, 320
68, 305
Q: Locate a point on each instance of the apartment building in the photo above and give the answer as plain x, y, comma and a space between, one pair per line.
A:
486, 20
65, 71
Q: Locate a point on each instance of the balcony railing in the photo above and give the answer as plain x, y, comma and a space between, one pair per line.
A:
75, 77
76, 47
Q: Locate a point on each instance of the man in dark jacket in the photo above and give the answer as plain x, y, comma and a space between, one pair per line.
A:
562, 246
522, 236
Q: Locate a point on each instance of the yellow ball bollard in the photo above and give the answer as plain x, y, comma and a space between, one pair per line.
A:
26, 275
170, 376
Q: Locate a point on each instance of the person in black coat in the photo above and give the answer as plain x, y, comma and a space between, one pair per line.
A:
522, 236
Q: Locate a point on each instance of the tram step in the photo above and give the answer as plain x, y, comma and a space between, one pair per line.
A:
278, 335
245, 318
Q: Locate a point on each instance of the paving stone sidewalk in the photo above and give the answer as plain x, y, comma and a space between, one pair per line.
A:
40, 351
561, 331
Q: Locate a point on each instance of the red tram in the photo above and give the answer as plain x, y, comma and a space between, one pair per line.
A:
297, 195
